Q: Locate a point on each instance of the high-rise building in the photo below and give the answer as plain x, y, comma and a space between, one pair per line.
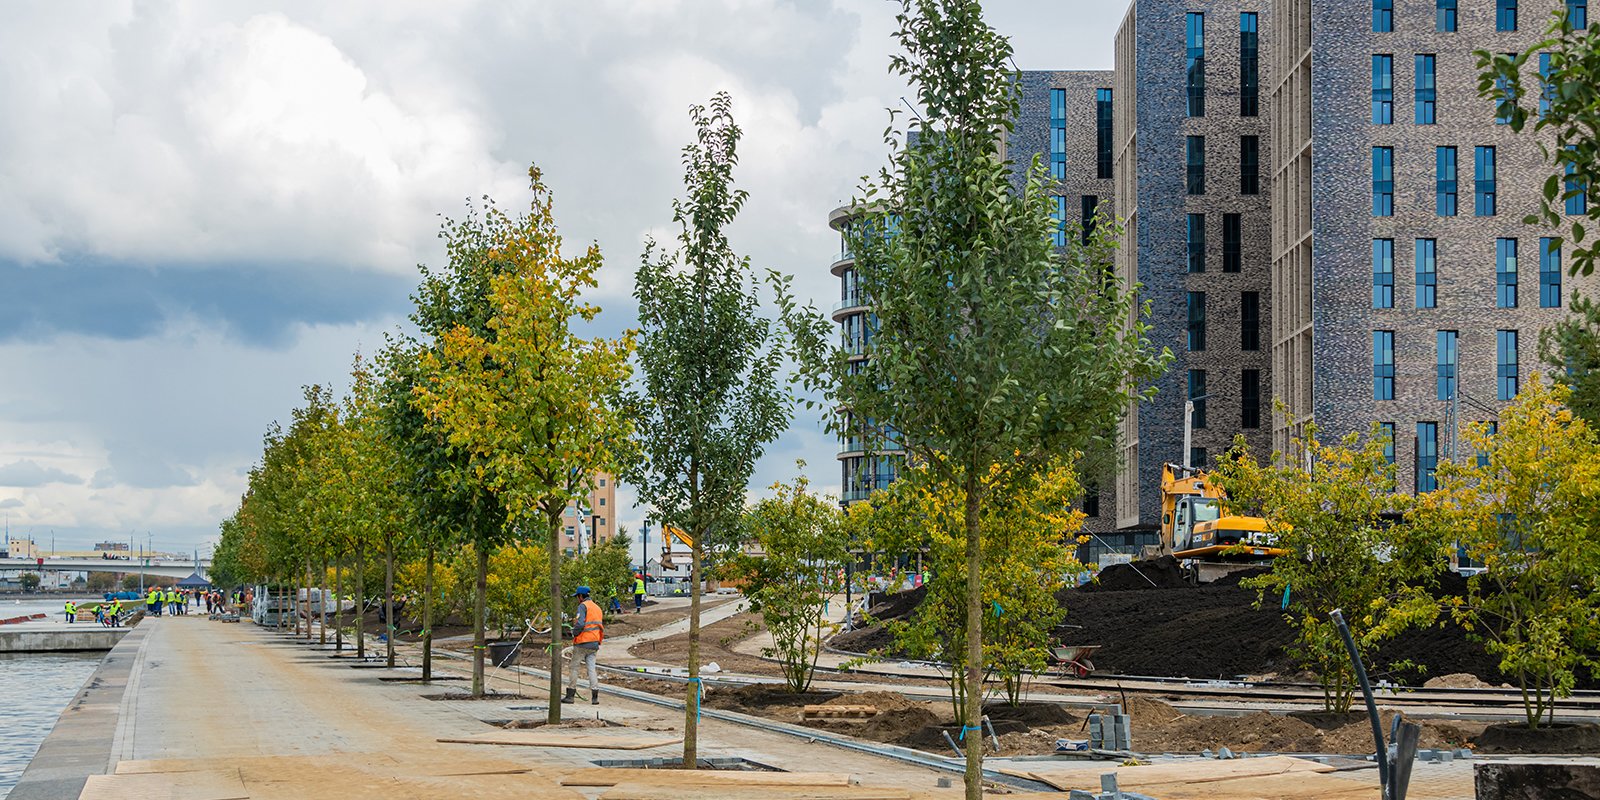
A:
1319, 209
592, 521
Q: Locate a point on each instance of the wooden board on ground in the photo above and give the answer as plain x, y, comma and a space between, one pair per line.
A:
214, 784
826, 712
440, 764
690, 791
608, 776
360, 785
586, 738
1066, 777
1287, 786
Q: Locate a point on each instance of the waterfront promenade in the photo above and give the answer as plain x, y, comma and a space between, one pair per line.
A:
190, 708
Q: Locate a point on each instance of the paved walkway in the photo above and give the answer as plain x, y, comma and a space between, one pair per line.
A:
279, 715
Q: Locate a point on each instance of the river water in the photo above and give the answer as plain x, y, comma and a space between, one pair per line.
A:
34, 689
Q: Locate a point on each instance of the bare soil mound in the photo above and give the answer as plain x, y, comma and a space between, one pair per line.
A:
1162, 573
1557, 738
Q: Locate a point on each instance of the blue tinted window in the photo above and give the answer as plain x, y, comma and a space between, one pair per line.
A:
1382, 16
1505, 273
1546, 88
1058, 134
1427, 90
1445, 366
1196, 41
1483, 198
1383, 181
1383, 365
1382, 90
1445, 181
1249, 66
1383, 273
1427, 455
1386, 431
1577, 199
1197, 393
1549, 273
1195, 147
1197, 243
1102, 133
1505, 15
1445, 18
1506, 377
1578, 14
1427, 273
1058, 215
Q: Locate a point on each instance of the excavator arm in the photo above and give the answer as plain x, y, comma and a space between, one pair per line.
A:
669, 534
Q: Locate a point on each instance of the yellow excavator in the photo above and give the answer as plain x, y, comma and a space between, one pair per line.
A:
1193, 526
669, 534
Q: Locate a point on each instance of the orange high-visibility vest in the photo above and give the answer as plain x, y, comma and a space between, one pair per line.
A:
594, 628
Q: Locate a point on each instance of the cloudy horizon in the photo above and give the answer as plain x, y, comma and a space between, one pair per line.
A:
203, 208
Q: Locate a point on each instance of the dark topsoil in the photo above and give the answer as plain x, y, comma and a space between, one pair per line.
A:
1172, 629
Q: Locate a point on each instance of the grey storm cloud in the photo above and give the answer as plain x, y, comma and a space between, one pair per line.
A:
10, 502
29, 474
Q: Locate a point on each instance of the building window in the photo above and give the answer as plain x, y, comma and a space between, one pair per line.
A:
1197, 457
1249, 165
1577, 197
1547, 90
1088, 205
603, 480
571, 531
1386, 430
1578, 14
1445, 366
1250, 399
1232, 243
1196, 36
1058, 134
1058, 214
1427, 273
1505, 99
1197, 394
1102, 133
1484, 187
1197, 322
1382, 90
1383, 273
601, 523
1427, 89
1249, 321
1444, 200
1197, 243
1383, 365
1505, 273
1549, 273
1382, 16
1491, 428
1249, 66
1445, 18
1091, 501
1427, 455
1383, 181
1196, 158
1505, 364
1505, 15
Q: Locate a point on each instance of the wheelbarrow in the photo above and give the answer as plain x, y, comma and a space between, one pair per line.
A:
1073, 661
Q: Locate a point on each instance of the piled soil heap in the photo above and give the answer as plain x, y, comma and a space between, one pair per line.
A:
1149, 621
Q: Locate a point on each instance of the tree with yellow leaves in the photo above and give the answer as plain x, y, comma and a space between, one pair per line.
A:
532, 403
1528, 509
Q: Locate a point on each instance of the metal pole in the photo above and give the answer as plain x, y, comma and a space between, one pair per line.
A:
1372, 705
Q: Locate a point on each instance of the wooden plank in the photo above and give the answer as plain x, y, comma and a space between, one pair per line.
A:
247, 763
838, 711
650, 791
608, 776
1066, 777
215, 784
1286, 786
557, 737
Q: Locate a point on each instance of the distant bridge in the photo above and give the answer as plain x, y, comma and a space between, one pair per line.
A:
160, 568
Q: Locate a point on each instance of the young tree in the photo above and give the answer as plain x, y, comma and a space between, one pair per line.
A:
993, 354
1527, 508
802, 550
1566, 103
533, 403
709, 399
1571, 348
1029, 531
1351, 548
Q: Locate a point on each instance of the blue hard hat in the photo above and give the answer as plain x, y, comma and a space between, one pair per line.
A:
581, 591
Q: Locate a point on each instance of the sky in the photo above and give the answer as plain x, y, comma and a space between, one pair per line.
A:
206, 205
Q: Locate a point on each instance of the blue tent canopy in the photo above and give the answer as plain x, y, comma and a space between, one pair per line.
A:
194, 581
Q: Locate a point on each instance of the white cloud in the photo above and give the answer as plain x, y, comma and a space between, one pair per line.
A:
29, 474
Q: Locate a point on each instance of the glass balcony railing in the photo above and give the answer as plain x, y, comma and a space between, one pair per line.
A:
852, 301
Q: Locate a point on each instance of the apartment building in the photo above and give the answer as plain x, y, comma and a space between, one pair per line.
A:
593, 520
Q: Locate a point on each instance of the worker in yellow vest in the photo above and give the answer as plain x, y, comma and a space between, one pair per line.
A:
638, 593
72, 611
116, 613
588, 630
152, 603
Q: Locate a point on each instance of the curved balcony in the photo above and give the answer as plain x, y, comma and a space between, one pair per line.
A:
848, 306
844, 262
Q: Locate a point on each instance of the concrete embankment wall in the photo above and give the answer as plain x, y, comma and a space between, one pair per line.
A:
60, 639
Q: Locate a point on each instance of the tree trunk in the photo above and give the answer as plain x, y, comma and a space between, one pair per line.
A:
322, 604
361, 600
338, 610
427, 619
553, 550
308, 601
691, 705
388, 598
974, 698
479, 589
283, 601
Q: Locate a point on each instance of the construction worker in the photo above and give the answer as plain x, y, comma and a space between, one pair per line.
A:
172, 601
72, 611
588, 630
152, 603
116, 613
638, 593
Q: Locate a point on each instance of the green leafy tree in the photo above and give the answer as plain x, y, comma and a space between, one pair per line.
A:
1565, 102
993, 354
29, 581
1571, 348
1349, 548
709, 400
801, 547
1528, 509
1029, 533
534, 404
